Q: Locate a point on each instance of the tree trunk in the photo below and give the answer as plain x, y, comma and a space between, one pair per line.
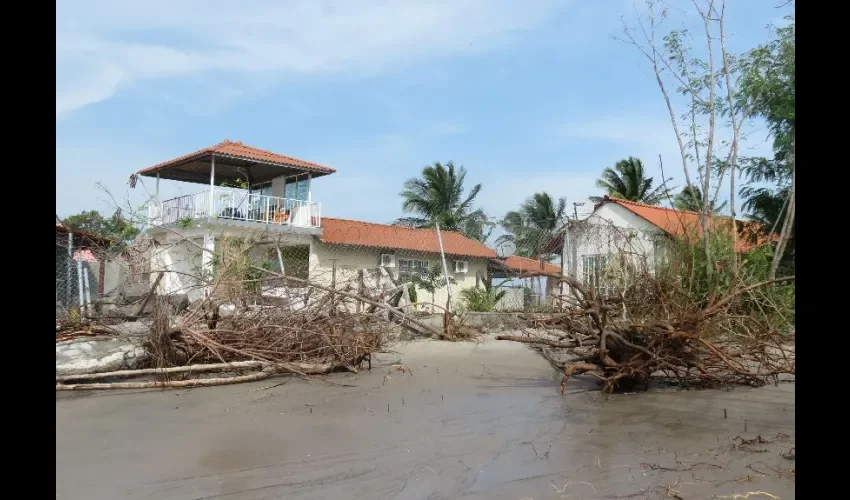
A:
788, 224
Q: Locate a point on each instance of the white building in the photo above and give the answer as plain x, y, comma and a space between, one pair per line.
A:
634, 232
249, 192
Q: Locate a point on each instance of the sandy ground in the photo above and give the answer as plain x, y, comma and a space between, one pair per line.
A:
468, 421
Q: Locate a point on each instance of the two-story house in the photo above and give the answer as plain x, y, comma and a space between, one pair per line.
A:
248, 191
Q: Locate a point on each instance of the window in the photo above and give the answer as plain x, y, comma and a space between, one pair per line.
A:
296, 188
264, 190
593, 272
407, 268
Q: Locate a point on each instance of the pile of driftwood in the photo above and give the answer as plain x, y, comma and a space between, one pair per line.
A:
714, 344
253, 342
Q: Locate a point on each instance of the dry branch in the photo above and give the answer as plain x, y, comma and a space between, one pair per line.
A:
685, 344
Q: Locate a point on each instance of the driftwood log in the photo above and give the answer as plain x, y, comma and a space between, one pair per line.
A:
265, 370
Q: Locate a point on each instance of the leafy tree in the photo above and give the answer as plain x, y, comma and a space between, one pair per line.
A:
767, 88
690, 198
628, 181
430, 281
115, 228
437, 197
531, 227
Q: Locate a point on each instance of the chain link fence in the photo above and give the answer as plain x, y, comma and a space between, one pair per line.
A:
91, 271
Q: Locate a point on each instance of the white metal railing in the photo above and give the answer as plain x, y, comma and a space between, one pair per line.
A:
237, 205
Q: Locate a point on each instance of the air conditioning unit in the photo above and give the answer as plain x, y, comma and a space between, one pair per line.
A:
461, 266
387, 260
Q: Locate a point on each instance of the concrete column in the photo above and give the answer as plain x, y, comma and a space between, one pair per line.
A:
207, 256
212, 186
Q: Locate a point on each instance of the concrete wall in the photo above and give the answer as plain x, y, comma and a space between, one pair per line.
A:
181, 261
115, 274
512, 301
492, 321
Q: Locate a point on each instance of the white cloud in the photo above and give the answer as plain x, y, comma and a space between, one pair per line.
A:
110, 42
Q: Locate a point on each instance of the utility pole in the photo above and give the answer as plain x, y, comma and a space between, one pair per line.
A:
575, 208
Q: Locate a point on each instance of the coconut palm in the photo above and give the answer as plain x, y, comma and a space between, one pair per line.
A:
690, 198
531, 227
437, 196
628, 181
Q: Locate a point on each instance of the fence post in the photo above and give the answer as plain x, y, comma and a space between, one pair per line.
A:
80, 284
101, 276
69, 294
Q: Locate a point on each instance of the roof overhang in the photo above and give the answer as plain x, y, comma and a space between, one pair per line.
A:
228, 168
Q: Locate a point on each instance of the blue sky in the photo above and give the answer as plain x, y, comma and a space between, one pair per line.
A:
528, 96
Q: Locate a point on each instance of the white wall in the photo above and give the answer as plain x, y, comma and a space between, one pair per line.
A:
612, 229
181, 262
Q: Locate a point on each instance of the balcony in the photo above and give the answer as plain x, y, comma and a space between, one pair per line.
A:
238, 206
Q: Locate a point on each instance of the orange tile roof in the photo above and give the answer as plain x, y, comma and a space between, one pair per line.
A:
685, 223
241, 151
369, 234
529, 267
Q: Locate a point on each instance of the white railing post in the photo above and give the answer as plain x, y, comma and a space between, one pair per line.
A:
212, 186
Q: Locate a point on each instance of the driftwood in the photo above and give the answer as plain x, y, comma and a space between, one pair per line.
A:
392, 310
266, 370
687, 346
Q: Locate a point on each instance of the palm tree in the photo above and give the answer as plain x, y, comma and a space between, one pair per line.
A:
690, 198
530, 227
437, 196
628, 181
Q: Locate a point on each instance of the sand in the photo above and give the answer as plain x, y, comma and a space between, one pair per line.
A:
472, 421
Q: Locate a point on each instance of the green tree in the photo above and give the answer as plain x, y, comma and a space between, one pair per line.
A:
431, 281
767, 88
690, 198
438, 196
530, 228
628, 181
115, 228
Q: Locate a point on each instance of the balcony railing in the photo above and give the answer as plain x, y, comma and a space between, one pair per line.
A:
236, 205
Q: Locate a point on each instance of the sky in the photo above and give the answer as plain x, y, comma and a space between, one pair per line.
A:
528, 96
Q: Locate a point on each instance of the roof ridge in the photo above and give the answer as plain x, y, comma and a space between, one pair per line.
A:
266, 151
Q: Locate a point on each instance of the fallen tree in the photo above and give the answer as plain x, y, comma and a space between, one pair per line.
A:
724, 341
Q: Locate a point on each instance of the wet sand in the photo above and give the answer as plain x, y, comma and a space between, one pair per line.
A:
469, 421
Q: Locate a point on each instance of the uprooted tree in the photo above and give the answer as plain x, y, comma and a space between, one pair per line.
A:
664, 317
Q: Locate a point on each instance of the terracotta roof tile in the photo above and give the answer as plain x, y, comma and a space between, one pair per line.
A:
369, 234
529, 267
681, 223
241, 151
